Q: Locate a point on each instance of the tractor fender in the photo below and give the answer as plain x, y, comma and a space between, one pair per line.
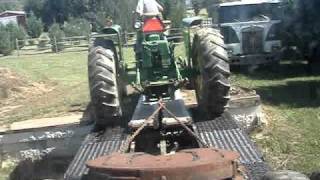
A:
114, 29
192, 21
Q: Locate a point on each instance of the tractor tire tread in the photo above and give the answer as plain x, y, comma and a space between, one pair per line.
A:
215, 71
103, 85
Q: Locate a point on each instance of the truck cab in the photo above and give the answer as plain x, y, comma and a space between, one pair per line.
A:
251, 29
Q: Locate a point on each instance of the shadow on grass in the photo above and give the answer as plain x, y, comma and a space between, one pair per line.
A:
282, 71
294, 94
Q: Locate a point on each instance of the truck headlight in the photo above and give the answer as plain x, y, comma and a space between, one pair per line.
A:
230, 51
275, 48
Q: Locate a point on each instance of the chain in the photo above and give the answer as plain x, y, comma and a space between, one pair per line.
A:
162, 106
186, 127
126, 144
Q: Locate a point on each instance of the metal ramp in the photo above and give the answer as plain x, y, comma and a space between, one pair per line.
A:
222, 132
94, 145
225, 133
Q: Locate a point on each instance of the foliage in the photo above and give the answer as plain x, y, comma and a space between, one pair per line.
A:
16, 33
77, 27
196, 6
177, 12
174, 10
5, 44
44, 40
301, 25
56, 37
34, 26
31, 42
34, 6
7, 6
59, 11
166, 8
120, 11
54, 12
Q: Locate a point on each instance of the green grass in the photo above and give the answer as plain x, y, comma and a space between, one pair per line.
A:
66, 73
291, 101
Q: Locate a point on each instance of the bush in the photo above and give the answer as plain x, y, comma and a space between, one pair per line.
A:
174, 10
34, 26
77, 27
16, 32
31, 42
5, 44
56, 37
43, 41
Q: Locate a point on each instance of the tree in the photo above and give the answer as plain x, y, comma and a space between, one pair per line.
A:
54, 11
166, 8
7, 6
77, 8
301, 25
34, 26
196, 6
34, 6
5, 44
77, 27
56, 37
16, 33
174, 10
120, 11
58, 11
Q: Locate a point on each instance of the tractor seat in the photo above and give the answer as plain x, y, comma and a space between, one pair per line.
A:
153, 25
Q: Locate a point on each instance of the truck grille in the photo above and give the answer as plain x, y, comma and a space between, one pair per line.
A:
252, 40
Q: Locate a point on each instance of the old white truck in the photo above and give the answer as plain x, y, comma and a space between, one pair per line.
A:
251, 29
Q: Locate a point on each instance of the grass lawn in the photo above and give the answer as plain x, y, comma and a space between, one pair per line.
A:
65, 75
291, 101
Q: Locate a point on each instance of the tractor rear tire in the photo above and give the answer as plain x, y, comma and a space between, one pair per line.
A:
284, 175
210, 59
103, 84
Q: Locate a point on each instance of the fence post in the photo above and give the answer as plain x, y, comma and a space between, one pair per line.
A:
126, 38
17, 46
71, 42
89, 38
55, 44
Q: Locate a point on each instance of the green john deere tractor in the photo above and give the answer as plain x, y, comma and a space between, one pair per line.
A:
156, 71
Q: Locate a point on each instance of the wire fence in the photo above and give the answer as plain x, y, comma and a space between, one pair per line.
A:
33, 46
82, 43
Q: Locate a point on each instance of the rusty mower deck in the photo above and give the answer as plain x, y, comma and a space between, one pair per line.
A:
222, 133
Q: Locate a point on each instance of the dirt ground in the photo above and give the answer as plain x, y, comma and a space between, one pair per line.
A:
16, 91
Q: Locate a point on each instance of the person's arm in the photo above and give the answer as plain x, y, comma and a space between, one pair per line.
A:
159, 7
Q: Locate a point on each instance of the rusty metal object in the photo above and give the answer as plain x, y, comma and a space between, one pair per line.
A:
192, 164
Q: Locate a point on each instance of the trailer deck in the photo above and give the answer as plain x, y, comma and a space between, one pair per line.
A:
222, 133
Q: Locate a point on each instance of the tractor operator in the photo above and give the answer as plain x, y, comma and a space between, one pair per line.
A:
149, 8
145, 9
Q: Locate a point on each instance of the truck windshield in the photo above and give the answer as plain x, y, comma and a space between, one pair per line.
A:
252, 12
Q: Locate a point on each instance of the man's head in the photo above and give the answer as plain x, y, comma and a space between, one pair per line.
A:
109, 21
